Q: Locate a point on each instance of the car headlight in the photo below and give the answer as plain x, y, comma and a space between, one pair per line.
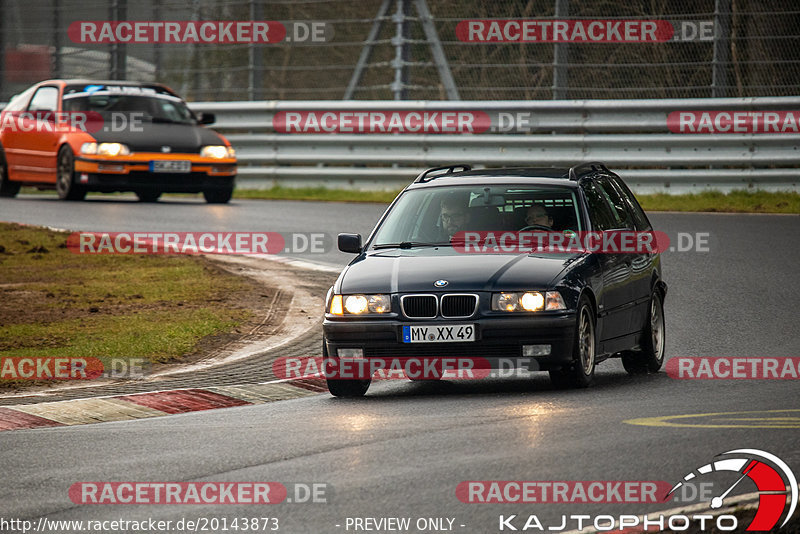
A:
505, 301
530, 301
217, 152
355, 304
105, 149
360, 304
89, 148
379, 303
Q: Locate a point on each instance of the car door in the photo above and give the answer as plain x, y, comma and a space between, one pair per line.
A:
36, 140
614, 300
643, 263
10, 129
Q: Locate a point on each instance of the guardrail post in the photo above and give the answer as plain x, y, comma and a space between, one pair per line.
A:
722, 49
402, 51
560, 59
255, 57
119, 53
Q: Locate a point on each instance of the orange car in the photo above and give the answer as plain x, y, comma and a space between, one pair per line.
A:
77, 136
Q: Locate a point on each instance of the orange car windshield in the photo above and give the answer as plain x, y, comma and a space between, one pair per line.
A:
151, 108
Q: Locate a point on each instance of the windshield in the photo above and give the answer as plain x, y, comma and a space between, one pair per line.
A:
434, 215
155, 108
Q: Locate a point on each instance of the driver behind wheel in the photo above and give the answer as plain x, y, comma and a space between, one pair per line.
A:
537, 215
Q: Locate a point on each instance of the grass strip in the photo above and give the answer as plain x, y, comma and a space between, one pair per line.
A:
57, 303
737, 201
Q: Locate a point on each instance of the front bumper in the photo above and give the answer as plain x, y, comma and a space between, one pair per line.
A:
498, 340
124, 174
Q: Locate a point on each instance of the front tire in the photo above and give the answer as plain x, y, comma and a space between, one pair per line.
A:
580, 373
218, 196
148, 196
651, 357
7, 188
342, 387
65, 180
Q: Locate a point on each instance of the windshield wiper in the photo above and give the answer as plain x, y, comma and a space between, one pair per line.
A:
408, 244
165, 120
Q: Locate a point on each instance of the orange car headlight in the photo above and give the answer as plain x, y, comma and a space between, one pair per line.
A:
217, 152
105, 149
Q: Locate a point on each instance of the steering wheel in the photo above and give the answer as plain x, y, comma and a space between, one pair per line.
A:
537, 227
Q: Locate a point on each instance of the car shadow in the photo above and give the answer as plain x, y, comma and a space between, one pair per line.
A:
539, 383
187, 201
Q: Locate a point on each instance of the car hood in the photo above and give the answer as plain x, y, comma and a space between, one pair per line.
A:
180, 138
416, 270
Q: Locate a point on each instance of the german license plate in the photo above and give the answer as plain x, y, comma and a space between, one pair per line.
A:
170, 166
438, 333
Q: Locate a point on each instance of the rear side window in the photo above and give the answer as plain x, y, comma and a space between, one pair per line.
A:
45, 99
639, 218
603, 218
19, 102
618, 206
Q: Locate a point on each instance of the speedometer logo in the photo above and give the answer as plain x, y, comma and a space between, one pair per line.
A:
771, 479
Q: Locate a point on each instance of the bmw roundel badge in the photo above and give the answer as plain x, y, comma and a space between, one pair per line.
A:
441, 283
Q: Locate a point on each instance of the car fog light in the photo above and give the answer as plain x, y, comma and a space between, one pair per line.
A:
535, 350
353, 354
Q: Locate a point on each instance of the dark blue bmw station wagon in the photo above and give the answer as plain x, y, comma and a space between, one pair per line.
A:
417, 289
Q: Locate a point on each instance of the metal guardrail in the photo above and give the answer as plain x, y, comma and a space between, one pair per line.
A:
631, 136
560, 116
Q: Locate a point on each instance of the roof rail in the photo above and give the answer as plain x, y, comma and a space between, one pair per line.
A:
584, 168
424, 176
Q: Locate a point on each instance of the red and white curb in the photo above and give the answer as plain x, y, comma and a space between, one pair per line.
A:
151, 404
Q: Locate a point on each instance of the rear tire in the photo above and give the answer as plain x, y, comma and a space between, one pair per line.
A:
580, 373
65, 178
218, 196
651, 357
7, 188
341, 387
148, 196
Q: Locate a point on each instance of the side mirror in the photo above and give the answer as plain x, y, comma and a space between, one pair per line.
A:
350, 243
207, 118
